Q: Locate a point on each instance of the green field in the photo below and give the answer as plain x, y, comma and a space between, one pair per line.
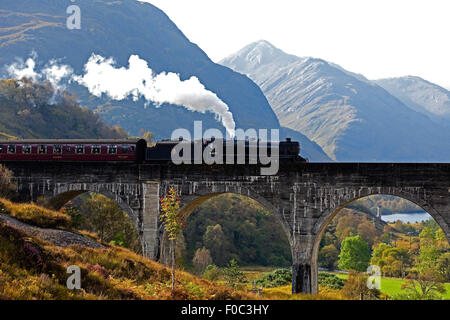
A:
392, 286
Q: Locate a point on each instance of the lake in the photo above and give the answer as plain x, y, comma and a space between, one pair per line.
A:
412, 217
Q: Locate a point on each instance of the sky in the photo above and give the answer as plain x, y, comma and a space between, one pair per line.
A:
377, 38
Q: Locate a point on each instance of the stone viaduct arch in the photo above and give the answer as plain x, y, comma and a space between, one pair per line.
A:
412, 195
194, 194
303, 197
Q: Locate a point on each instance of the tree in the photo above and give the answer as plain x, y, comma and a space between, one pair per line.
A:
202, 259
328, 257
215, 240
427, 237
426, 281
103, 216
377, 254
368, 232
78, 218
441, 239
355, 254
232, 274
396, 261
443, 266
347, 225
427, 259
7, 186
250, 234
171, 218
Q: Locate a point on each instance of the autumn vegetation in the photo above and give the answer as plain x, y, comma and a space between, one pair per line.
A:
36, 110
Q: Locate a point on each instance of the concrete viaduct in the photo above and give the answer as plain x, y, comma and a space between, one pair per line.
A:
303, 197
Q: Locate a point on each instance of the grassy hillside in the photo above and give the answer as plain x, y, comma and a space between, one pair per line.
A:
34, 110
31, 268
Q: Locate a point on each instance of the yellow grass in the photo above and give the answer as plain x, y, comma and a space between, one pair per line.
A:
35, 215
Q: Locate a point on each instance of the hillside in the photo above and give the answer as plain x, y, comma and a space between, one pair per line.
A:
351, 118
421, 96
26, 111
388, 205
33, 268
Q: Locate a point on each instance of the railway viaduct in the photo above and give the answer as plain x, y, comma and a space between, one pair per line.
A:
303, 197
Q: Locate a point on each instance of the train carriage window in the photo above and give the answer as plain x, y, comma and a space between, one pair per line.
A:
26, 149
57, 149
124, 149
41, 149
68, 149
132, 149
79, 149
11, 149
96, 150
1, 149
112, 149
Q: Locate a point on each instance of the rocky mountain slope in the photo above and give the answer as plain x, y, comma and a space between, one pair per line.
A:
421, 96
351, 118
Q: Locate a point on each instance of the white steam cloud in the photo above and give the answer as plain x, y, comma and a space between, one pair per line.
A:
52, 71
102, 76
22, 69
138, 80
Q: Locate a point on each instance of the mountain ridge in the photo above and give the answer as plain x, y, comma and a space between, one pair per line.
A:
420, 95
350, 117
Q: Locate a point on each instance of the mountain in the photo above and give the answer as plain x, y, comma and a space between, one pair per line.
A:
351, 118
25, 113
420, 95
118, 30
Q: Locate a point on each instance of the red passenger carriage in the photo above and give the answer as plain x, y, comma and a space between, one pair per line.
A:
131, 150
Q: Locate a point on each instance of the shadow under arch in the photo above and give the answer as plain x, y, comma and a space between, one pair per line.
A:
187, 209
324, 221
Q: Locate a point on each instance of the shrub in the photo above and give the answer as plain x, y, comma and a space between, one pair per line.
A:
355, 287
212, 273
275, 278
331, 281
234, 277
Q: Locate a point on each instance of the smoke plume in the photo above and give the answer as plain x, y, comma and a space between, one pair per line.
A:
51, 72
101, 76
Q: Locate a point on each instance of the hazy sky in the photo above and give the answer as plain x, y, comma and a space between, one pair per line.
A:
378, 38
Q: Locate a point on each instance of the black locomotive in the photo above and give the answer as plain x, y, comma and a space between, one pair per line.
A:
288, 151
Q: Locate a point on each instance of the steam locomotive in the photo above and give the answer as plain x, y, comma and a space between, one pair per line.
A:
130, 150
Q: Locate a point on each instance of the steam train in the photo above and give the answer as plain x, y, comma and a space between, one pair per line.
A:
129, 150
